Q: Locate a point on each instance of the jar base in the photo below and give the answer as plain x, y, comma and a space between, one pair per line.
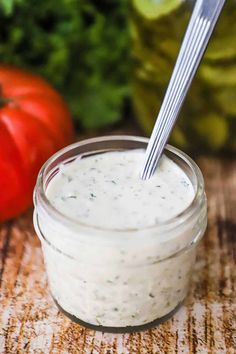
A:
127, 329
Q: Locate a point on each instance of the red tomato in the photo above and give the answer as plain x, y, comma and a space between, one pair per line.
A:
34, 123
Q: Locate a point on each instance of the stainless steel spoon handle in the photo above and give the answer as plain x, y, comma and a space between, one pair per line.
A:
201, 25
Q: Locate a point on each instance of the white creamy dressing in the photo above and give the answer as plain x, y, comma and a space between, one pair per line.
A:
105, 191
111, 279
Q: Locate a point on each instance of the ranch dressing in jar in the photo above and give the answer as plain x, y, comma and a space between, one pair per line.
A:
119, 250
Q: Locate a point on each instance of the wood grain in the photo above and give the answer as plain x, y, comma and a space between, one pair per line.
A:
31, 323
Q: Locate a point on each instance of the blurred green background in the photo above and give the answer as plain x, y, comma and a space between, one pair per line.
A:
81, 47
103, 55
207, 121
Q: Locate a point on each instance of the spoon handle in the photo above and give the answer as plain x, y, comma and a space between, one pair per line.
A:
201, 25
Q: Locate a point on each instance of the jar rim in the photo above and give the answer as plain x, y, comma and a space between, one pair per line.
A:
41, 198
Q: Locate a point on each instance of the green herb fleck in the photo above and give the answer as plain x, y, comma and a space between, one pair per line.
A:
69, 178
184, 183
99, 323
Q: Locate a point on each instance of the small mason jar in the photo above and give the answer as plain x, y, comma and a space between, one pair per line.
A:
118, 280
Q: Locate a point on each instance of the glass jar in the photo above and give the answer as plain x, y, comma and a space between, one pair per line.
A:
118, 280
207, 121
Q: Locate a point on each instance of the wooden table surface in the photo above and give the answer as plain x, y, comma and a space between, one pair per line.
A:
31, 323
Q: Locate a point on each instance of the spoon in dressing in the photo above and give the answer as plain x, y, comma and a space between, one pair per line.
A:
198, 33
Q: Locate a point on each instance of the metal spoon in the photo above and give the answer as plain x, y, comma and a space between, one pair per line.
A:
198, 33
